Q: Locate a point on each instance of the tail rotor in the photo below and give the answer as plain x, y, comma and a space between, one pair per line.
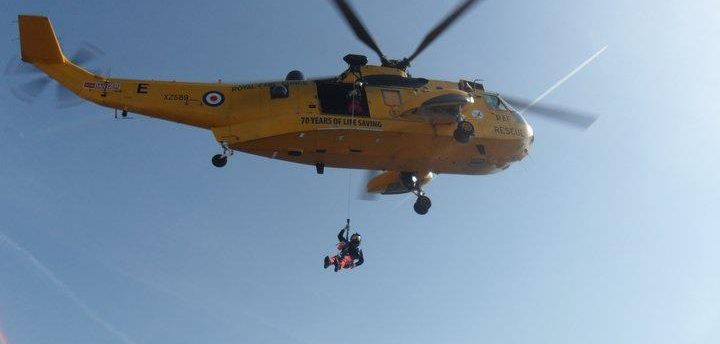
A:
29, 83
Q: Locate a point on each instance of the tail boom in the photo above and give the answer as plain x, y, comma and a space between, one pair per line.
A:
39, 46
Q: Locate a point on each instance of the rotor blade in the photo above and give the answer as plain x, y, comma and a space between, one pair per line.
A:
571, 117
34, 87
430, 37
65, 97
101, 71
97, 71
86, 53
17, 66
363, 194
357, 26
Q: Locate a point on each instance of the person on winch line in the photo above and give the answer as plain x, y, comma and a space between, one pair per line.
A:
349, 252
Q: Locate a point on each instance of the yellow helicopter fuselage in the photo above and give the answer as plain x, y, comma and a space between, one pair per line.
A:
306, 121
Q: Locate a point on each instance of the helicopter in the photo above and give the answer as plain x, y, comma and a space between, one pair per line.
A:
371, 117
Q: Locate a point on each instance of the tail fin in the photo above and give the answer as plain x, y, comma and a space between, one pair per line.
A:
38, 43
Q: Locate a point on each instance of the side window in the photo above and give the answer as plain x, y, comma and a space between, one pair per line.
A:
339, 99
493, 102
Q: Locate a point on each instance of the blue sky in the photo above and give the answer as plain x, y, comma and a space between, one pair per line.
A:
122, 231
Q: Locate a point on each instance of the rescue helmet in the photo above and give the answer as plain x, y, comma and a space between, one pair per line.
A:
355, 238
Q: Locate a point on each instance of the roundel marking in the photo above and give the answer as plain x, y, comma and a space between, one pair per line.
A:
213, 98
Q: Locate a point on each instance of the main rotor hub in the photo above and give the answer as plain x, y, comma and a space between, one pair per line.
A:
399, 64
363, 35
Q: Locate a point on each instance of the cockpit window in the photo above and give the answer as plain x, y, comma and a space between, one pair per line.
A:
494, 102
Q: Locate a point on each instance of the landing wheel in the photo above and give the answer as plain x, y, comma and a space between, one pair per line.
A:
219, 160
422, 205
464, 131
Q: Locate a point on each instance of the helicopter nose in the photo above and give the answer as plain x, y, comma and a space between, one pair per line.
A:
529, 140
530, 134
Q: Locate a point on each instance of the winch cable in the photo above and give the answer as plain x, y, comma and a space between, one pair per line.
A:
348, 193
354, 102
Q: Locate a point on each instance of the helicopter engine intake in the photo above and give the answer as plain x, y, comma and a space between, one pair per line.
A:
295, 75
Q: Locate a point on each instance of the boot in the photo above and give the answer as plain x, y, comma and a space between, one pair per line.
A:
337, 265
327, 262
